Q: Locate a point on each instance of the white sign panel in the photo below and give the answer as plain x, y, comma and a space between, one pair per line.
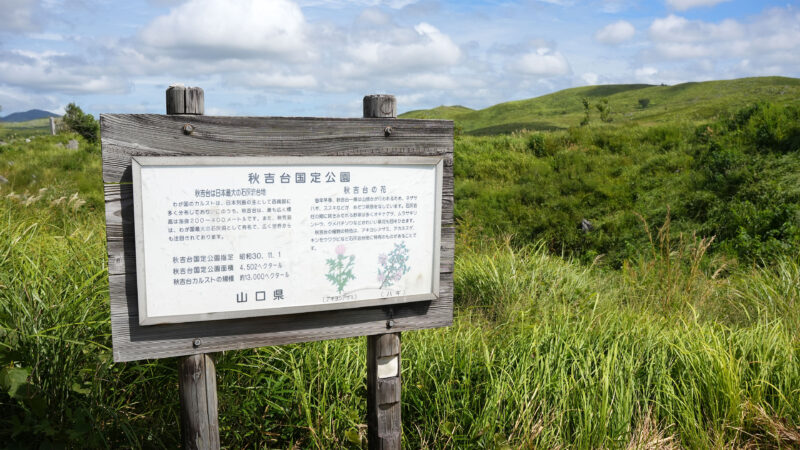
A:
228, 237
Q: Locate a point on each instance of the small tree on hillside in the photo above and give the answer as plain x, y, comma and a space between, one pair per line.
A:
586, 108
604, 109
84, 124
644, 102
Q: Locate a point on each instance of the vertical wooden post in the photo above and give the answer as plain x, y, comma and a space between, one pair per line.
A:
197, 376
197, 385
52, 126
384, 429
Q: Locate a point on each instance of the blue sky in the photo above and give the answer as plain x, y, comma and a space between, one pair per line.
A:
320, 57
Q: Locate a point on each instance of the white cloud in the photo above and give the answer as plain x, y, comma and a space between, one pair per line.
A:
615, 6
543, 62
770, 39
431, 81
615, 33
219, 29
590, 78
678, 29
646, 75
52, 71
683, 5
374, 16
46, 36
394, 4
277, 80
18, 15
424, 48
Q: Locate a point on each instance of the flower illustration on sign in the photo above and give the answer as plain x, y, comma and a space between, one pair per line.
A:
340, 268
393, 266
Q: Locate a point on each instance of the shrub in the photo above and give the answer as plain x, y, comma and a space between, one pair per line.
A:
644, 102
604, 109
81, 123
536, 144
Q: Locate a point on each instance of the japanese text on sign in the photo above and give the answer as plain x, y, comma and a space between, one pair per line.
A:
235, 237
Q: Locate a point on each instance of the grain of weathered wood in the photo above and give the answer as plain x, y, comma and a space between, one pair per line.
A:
378, 106
197, 376
195, 101
126, 135
386, 345
383, 394
176, 99
197, 384
388, 390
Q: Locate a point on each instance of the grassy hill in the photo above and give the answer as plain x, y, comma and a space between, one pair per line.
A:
692, 102
30, 128
671, 321
544, 352
26, 116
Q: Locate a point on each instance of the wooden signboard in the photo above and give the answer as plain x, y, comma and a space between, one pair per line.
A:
125, 136
215, 244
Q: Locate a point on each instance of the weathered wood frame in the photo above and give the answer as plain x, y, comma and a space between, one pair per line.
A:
138, 162
128, 135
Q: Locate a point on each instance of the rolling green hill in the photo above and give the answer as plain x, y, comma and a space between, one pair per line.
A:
692, 102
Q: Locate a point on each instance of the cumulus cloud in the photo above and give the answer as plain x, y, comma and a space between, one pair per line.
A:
770, 39
678, 29
646, 75
424, 47
543, 62
683, 5
219, 29
615, 33
53, 71
590, 78
19, 15
277, 80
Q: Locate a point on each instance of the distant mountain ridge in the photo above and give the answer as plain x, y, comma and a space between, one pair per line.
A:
629, 104
33, 114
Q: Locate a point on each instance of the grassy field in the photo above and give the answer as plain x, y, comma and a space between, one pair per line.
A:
688, 102
736, 178
38, 127
683, 343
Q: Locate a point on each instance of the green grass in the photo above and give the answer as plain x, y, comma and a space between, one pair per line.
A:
441, 112
680, 345
10, 130
544, 352
688, 102
734, 178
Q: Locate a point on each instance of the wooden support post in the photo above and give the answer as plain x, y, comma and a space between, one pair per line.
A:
384, 429
183, 100
197, 376
197, 383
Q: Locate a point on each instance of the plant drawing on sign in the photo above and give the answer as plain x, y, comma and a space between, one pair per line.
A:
340, 269
393, 266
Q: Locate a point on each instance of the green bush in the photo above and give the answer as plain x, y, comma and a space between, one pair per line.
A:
734, 178
536, 144
81, 123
